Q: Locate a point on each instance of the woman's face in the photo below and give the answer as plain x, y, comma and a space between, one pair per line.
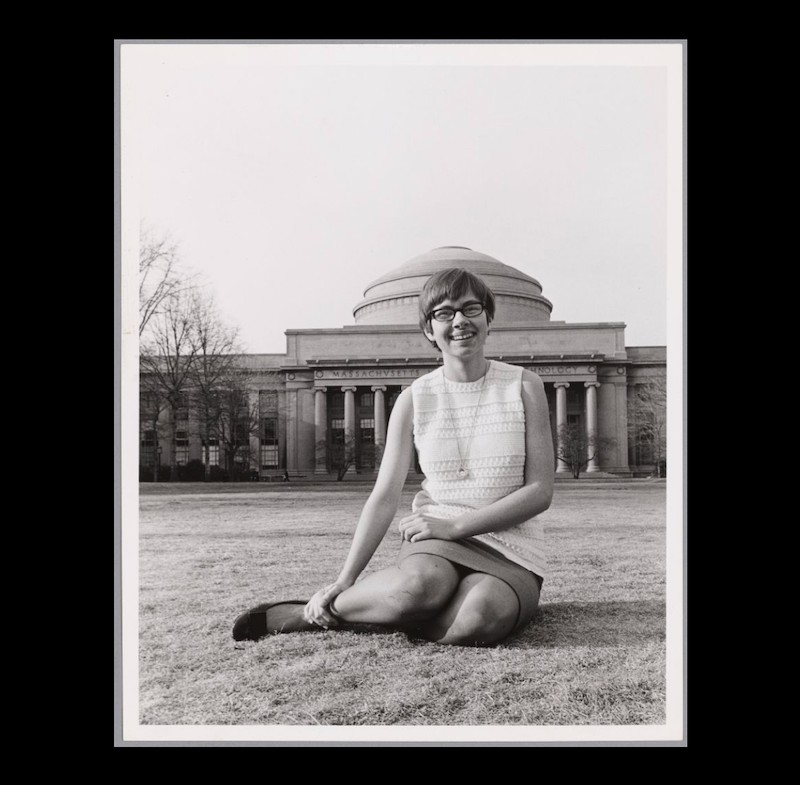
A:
464, 335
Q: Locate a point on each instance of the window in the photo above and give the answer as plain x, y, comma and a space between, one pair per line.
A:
366, 450
241, 431
181, 448
573, 419
181, 402
213, 452
367, 399
147, 448
269, 443
269, 430
268, 402
337, 424
269, 456
336, 403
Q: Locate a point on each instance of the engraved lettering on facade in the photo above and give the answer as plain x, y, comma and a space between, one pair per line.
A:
369, 373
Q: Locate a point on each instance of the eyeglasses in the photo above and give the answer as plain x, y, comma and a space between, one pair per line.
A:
448, 314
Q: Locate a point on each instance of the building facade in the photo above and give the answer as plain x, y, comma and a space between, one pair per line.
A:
321, 409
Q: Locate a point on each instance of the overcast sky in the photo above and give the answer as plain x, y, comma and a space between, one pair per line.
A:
291, 177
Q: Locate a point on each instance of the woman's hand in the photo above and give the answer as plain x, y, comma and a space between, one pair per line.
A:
421, 526
316, 610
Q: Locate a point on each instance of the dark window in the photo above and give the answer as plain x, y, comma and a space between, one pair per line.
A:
181, 403
147, 448
269, 443
181, 448
213, 452
366, 452
269, 430
336, 401
242, 431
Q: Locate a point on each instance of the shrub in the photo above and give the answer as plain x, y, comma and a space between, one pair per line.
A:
146, 473
194, 471
241, 473
217, 474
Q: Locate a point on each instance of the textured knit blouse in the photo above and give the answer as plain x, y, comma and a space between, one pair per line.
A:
482, 425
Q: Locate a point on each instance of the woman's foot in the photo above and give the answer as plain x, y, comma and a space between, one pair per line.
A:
271, 619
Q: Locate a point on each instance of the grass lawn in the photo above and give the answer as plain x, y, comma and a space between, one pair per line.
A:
594, 655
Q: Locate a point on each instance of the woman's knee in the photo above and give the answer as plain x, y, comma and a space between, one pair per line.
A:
425, 585
487, 615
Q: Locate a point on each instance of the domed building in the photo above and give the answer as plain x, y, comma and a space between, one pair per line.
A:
392, 299
323, 406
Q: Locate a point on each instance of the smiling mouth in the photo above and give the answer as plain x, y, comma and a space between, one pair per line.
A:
461, 336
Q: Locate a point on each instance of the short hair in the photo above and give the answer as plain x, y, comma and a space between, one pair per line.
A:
451, 284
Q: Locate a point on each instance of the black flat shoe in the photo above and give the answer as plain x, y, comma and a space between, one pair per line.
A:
256, 623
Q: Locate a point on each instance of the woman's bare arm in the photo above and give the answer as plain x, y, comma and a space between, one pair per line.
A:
378, 512
381, 507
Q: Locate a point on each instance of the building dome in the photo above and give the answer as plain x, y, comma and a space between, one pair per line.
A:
393, 298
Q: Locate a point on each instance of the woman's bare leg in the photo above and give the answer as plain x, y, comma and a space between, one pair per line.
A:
420, 587
482, 611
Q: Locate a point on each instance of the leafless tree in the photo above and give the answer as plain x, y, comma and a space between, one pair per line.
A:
647, 411
238, 417
161, 277
151, 405
347, 454
343, 454
167, 358
576, 448
214, 373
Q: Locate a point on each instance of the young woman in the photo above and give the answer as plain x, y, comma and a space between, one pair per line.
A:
471, 563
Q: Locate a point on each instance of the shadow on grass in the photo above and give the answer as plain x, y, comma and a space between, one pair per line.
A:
564, 625
574, 624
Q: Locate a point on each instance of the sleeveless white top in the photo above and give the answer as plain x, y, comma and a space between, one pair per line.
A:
485, 420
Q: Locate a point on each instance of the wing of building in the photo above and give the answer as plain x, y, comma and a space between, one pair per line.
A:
321, 408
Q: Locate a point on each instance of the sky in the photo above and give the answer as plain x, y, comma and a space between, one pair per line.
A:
292, 176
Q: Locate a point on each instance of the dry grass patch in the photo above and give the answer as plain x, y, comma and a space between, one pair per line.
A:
594, 655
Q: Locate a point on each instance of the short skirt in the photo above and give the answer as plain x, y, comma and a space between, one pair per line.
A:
478, 557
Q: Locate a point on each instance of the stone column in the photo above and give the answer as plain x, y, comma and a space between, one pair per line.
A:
412, 466
253, 403
591, 425
561, 419
380, 424
321, 430
350, 421
292, 463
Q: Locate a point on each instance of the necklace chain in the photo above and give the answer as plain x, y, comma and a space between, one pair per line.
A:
463, 472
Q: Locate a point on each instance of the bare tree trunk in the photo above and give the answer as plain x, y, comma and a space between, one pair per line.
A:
206, 452
173, 459
156, 455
